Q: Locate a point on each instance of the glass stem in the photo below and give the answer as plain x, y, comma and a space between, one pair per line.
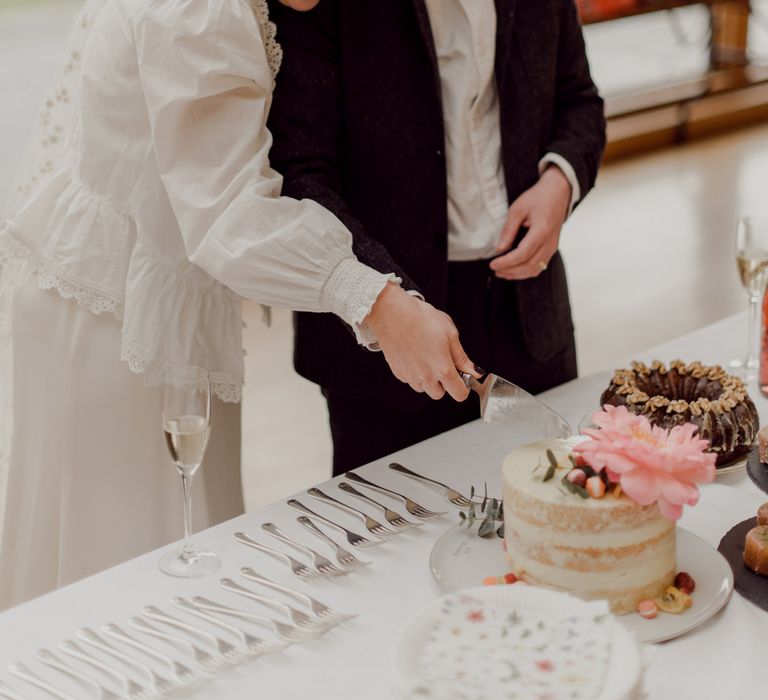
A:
186, 484
754, 300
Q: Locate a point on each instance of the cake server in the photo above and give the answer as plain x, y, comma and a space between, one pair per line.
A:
501, 401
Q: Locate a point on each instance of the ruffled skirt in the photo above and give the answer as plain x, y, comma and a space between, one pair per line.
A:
89, 481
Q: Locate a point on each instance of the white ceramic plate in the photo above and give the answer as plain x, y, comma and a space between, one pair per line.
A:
624, 674
461, 559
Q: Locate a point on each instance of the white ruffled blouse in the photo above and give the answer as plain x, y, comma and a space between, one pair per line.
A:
157, 203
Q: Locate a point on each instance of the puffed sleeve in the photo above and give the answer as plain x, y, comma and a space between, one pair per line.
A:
208, 86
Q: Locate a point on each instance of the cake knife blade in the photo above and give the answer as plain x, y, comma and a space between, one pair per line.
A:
501, 401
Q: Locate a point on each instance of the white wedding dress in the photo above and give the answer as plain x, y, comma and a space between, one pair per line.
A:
147, 211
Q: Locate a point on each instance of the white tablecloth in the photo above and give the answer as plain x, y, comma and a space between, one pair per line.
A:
722, 658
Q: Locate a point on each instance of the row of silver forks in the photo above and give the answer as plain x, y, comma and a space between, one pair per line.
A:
310, 520
200, 663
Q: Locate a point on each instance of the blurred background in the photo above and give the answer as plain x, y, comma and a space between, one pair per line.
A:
650, 253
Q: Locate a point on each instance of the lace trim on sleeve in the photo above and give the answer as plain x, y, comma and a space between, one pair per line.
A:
351, 291
49, 276
273, 49
228, 387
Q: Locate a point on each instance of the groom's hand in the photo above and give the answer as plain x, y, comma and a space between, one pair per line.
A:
542, 210
420, 343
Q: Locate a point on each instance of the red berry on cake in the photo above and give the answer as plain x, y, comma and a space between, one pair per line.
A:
510, 578
685, 583
577, 476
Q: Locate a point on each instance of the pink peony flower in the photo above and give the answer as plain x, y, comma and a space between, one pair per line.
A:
651, 464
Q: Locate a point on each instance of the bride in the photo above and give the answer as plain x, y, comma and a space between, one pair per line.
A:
147, 212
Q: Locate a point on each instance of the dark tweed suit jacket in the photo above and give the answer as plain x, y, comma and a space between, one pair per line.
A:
358, 127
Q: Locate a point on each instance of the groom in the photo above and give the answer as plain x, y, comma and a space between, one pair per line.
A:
453, 138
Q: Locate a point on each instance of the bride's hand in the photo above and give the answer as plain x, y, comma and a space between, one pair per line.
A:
420, 343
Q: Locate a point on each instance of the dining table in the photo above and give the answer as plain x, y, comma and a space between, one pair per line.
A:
723, 657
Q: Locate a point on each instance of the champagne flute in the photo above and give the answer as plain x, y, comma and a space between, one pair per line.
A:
752, 261
186, 414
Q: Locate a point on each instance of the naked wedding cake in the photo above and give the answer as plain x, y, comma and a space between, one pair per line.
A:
570, 525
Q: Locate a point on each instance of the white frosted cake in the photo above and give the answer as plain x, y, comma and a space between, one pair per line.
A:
608, 547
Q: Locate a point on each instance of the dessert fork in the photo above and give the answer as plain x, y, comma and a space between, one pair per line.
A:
411, 506
345, 558
288, 633
297, 568
23, 673
182, 673
131, 688
321, 563
453, 496
255, 645
391, 516
371, 524
205, 659
50, 659
352, 537
159, 684
297, 618
224, 649
318, 609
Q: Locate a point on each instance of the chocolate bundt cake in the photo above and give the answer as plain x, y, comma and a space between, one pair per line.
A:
713, 400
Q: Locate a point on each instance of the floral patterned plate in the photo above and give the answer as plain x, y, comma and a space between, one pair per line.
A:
461, 559
517, 643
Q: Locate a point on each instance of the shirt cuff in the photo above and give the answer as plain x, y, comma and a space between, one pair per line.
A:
568, 171
350, 292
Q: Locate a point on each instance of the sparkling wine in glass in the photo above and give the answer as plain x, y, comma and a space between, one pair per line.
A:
752, 262
186, 415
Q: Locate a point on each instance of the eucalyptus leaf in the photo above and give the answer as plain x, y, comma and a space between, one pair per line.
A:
487, 527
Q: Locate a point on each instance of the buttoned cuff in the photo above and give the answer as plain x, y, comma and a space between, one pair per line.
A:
568, 171
350, 292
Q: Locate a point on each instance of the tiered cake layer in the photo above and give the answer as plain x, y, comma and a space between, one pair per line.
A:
609, 547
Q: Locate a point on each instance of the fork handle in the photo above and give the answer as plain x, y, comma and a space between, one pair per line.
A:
189, 607
69, 647
245, 539
154, 613
25, 674
296, 505
90, 637
251, 575
6, 692
235, 587
394, 466
115, 632
307, 524
44, 656
354, 476
348, 488
320, 496
142, 625
210, 606
275, 531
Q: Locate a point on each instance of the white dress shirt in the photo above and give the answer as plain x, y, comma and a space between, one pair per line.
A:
464, 32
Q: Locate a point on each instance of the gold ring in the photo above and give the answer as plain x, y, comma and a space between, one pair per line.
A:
542, 265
